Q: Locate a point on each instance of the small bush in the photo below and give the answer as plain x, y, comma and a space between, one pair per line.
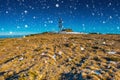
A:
68, 30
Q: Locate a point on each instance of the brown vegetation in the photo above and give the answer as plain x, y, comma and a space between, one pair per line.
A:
60, 57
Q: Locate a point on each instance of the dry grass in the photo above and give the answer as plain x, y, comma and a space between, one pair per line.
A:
60, 56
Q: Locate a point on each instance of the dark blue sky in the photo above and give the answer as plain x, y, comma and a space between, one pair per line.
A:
36, 16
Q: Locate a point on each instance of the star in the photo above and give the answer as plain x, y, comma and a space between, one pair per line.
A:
2, 29
6, 12
118, 27
110, 17
26, 26
103, 22
25, 11
87, 5
42, 14
10, 32
18, 27
57, 5
93, 14
45, 25
34, 17
50, 21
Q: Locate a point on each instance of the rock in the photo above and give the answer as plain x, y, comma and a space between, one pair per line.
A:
104, 43
60, 53
111, 52
109, 67
97, 72
43, 54
24, 36
20, 59
95, 47
118, 52
82, 49
69, 59
118, 66
28, 40
112, 62
54, 56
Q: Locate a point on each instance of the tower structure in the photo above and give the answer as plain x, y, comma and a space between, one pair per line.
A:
60, 24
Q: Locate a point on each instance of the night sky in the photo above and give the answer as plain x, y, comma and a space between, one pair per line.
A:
18, 17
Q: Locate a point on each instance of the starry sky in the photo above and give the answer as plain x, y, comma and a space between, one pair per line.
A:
20, 17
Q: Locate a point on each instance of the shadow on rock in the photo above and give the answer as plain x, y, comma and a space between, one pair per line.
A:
2, 73
16, 75
71, 76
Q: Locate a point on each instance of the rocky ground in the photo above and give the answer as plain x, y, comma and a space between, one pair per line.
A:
60, 57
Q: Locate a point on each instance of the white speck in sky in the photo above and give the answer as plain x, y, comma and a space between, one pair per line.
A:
103, 22
83, 25
26, 26
34, 17
45, 25
118, 27
87, 5
93, 14
57, 5
2, 29
18, 27
10, 32
109, 4
25, 11
6, 12
50, 21
110, 17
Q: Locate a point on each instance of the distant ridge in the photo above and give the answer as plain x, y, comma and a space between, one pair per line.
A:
11, 36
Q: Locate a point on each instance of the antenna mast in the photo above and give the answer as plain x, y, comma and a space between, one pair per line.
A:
60, 24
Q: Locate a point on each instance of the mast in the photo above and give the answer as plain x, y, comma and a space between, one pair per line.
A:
60, 24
